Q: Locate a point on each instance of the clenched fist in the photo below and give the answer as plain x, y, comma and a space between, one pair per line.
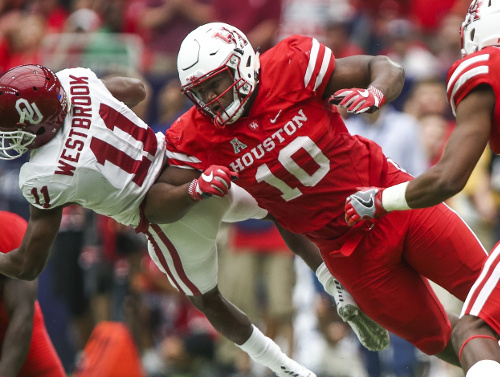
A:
216, 180
365, 204
359, 100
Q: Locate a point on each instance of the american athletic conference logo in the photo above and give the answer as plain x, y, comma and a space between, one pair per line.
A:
238, 146
28, 112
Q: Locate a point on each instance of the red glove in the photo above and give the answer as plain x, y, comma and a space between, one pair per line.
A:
365, 204
359, 100
216, 180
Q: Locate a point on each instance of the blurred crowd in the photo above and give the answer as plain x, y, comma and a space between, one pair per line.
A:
100, 270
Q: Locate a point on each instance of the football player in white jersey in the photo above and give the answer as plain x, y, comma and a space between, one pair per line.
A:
473, 92
89, 148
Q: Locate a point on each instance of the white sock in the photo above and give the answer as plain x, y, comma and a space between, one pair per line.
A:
263, 350
333, 287
484, 368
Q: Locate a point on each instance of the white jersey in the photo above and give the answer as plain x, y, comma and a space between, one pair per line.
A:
103, 158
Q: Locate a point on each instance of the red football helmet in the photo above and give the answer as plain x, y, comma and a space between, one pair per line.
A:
33, 105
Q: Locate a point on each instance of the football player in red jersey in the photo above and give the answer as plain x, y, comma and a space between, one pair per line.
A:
26, 349
268, 119
473, 87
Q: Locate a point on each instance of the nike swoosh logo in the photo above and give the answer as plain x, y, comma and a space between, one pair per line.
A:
364, 93
207, 178
276, 117
366, 203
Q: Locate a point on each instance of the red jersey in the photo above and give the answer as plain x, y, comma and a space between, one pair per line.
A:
293, 152
468, 73
42, 359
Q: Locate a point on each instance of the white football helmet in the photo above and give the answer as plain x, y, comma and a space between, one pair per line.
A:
212, 49
480, 28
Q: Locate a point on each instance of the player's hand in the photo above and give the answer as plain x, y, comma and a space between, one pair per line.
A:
216, 180
359, 100
365, 204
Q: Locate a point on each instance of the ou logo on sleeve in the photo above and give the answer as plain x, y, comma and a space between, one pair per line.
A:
28, 112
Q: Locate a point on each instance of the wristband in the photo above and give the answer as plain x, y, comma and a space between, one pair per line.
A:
394, 198
378, 94
193, 192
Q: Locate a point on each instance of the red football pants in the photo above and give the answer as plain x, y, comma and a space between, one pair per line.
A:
387, 271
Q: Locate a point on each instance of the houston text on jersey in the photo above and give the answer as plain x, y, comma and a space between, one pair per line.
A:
269, 144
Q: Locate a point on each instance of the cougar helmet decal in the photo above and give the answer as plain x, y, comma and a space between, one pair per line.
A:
473, 12
33, 106
209, 51
480, 27
232, 36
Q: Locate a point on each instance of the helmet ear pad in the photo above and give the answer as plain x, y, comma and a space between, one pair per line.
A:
33, 101
206, 51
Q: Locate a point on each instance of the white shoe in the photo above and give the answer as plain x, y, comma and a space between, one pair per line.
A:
371, 335
291, 368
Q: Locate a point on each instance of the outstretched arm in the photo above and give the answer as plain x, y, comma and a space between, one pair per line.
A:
177, 190
168, 199
465, 146
19, 299
448, 177
28, 261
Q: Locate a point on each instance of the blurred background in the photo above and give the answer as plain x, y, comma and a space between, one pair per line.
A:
100, 271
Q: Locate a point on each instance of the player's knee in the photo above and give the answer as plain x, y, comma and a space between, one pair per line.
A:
432, 345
